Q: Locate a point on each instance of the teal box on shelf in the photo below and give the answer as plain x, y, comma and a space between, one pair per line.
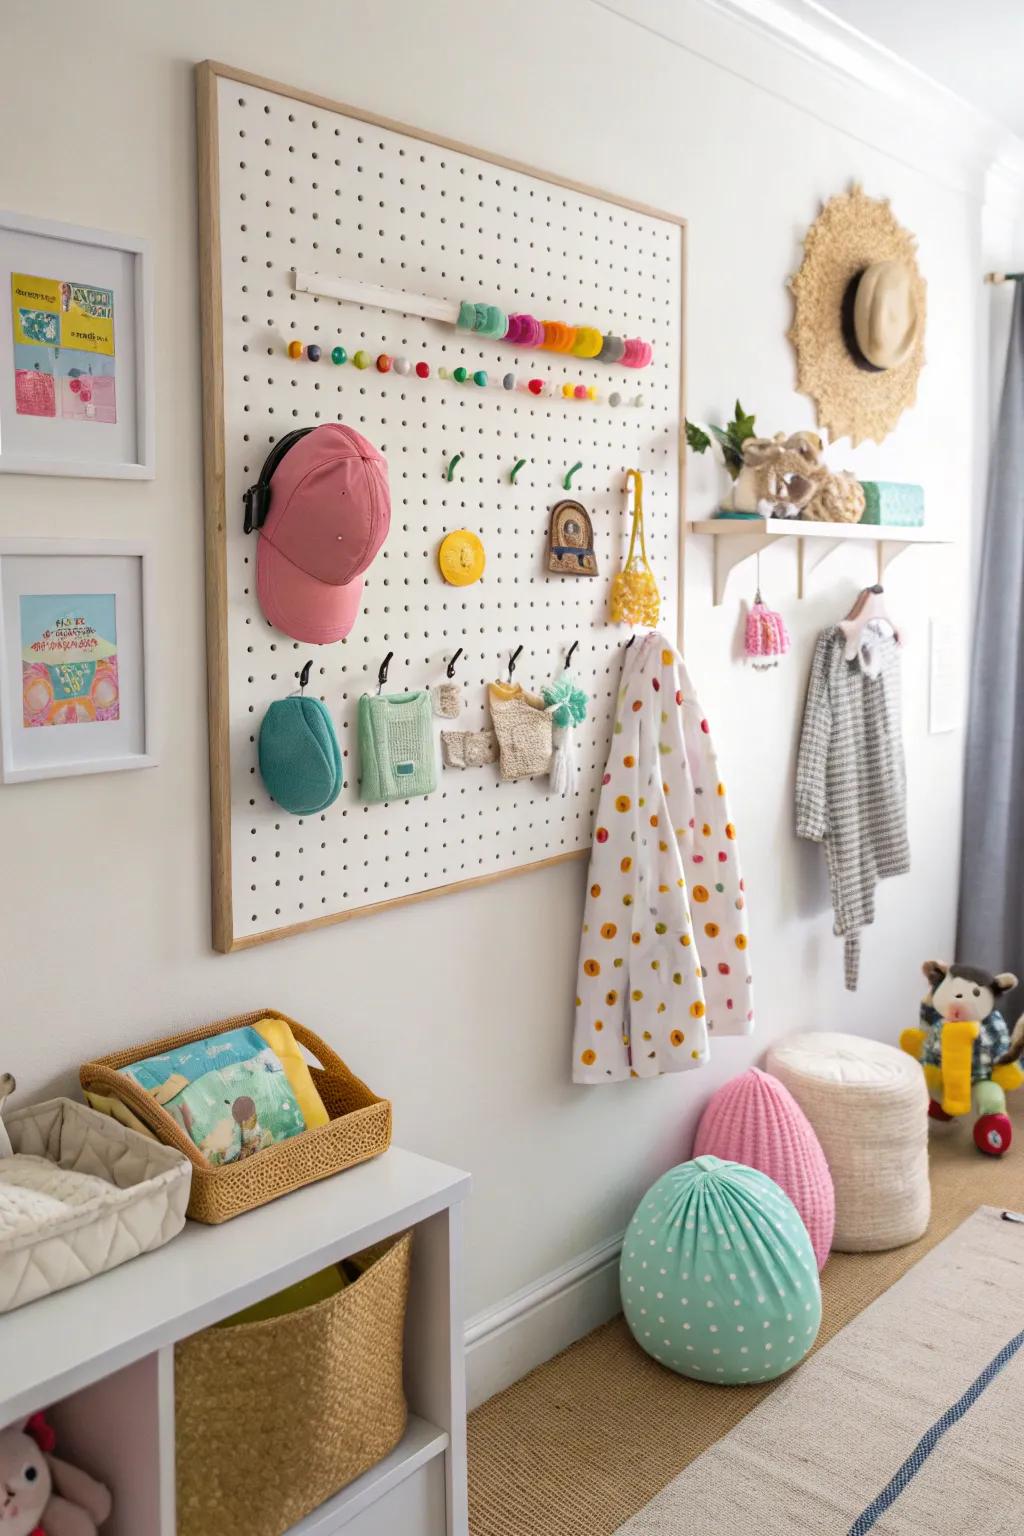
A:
892, 505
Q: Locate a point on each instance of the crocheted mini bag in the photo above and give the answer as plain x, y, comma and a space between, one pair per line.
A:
634, 594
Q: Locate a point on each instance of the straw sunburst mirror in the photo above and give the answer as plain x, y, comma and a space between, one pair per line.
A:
859, 321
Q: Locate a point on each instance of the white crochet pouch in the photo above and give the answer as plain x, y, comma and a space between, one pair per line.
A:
523, 729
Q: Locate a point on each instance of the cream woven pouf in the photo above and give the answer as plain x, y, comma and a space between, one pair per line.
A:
868, 1105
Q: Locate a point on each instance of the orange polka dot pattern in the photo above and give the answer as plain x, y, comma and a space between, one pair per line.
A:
683, 976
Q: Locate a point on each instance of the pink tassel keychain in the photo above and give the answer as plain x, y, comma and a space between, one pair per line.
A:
767, 638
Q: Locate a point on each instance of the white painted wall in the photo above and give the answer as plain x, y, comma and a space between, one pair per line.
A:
461, 1009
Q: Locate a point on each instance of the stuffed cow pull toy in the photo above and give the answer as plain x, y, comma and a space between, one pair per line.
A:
964, 1046
41, 1495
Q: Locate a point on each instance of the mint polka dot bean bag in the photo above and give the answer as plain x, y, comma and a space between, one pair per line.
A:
718, 1276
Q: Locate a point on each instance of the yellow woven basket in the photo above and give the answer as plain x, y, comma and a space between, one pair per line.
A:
359, 1127
273, 1417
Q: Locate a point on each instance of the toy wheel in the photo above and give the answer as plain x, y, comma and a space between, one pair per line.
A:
936, 1111
993, 1134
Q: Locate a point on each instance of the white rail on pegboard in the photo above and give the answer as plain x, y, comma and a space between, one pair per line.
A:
292, 183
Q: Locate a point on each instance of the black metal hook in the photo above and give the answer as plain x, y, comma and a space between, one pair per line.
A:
570, 653
450, 669
629, 642
513, 658
304, 674
382, 675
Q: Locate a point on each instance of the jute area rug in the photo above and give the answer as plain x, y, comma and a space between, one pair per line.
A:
907, 1423
587, 1440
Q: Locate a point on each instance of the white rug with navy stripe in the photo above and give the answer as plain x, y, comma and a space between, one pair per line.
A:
908, 1423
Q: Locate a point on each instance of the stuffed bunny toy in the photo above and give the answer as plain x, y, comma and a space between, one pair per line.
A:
41, 1495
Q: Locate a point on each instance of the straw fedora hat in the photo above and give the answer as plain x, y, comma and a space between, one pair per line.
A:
859, 320
885, 319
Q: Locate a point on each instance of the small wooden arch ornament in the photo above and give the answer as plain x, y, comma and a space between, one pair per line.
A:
571, 541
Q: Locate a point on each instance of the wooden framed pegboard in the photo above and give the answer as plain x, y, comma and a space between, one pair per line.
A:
290, 181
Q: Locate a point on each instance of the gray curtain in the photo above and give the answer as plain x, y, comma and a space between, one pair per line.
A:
991, 926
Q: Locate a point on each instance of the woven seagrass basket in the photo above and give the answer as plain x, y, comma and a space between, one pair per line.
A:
273, 1417
359, 1127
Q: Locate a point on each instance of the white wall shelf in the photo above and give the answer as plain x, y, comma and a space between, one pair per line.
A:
737, 539
102, 1353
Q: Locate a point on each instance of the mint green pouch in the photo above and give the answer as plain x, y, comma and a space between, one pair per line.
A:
396, 746
890, 504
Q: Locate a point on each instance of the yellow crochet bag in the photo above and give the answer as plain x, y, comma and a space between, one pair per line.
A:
634, 596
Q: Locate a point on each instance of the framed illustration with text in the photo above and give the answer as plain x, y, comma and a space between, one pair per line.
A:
76, 351
77, 672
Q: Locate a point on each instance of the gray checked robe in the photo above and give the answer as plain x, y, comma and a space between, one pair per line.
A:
851, 791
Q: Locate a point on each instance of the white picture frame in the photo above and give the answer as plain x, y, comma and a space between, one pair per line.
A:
43, 438
102, 721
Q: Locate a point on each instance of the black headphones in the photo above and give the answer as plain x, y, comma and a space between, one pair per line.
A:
257, 497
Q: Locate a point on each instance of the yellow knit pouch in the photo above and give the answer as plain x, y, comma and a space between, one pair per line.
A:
634, 595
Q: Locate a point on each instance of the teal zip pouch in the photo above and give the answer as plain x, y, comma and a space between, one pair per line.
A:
300, 759
396, 746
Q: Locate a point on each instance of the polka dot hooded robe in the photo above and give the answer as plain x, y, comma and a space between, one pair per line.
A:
663, 954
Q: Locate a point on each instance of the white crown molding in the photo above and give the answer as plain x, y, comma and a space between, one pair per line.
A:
800, 53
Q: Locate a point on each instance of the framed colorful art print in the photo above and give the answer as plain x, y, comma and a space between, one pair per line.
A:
77, 672
76, 351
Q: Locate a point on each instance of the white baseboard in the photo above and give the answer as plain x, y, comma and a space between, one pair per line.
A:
532, 1325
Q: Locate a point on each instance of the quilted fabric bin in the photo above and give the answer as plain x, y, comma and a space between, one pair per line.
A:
274, 1417
149, 1188
359, 1127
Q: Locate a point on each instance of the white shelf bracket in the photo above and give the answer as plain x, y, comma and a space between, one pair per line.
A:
731, 552
809, 556
888, 549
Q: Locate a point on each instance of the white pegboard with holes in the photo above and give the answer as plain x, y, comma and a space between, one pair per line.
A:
303, 186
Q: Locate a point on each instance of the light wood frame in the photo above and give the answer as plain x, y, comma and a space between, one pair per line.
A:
211, 311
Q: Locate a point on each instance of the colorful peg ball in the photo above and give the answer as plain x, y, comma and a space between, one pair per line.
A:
460, 375
614, 398
313, 352
423, 370
509, 381
295, 349
592, 393
535, 386
568, 391
383, 363
339, 355
362, 359
402, 365
480, 377
580, 391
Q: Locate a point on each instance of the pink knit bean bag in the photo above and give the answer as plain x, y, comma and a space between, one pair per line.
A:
754, 1119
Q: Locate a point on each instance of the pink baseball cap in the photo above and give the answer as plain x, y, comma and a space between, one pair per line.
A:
329, 513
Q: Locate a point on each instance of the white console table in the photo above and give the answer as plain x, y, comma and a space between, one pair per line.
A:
101, 1355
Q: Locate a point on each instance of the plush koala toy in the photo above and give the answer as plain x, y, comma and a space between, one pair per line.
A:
963, 1045
41, 1495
